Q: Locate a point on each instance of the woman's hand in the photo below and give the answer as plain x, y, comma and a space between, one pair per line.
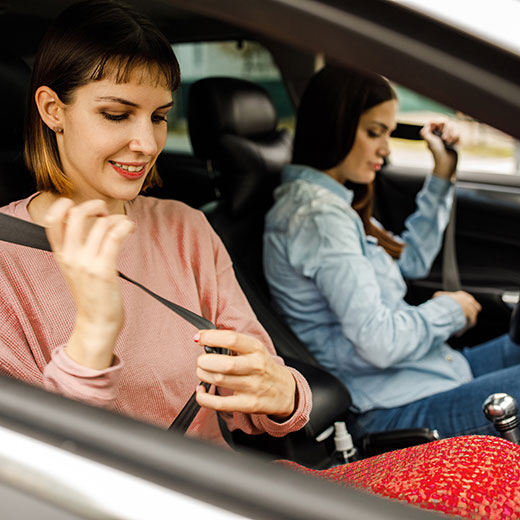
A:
258, 384
445, 161
86, 242
470, 306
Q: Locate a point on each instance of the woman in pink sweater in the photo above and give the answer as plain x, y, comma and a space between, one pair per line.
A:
101, 90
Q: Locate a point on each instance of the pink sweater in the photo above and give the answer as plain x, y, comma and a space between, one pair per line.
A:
175, 253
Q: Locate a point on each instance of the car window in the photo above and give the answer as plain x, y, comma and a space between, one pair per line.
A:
482, 148
239, 59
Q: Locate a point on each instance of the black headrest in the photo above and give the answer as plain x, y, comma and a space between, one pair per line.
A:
233, 122
219, 106
15, 77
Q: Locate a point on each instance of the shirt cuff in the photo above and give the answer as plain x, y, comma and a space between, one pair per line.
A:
449, 313
96, 387
438, 186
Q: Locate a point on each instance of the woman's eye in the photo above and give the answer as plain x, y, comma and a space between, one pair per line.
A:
371, 133
114, 117
159, 119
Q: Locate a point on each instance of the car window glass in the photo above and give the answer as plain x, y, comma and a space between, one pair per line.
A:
482, 148
239, 59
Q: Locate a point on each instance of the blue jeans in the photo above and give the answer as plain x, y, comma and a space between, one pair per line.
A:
496, 368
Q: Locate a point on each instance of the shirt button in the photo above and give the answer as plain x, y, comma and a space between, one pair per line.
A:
449, 357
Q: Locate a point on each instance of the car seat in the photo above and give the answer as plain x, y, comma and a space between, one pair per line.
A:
15, 181
233, 126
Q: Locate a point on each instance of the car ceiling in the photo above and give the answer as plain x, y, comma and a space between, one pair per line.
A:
24, 22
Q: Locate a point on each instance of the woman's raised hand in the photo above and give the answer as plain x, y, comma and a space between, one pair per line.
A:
445, 160
86, 242
258, 384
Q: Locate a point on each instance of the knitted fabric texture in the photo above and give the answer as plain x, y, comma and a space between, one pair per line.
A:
475, 477
173, 252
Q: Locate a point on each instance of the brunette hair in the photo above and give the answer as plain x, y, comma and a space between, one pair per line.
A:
327, 122
90, 41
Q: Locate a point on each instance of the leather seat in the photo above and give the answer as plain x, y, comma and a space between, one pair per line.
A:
233, 125
15, 181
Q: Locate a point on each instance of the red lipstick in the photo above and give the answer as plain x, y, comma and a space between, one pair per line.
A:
131, 175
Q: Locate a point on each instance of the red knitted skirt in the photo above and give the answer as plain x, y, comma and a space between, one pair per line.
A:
474, 477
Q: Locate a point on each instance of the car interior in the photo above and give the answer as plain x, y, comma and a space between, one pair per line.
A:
238, 150
233, 131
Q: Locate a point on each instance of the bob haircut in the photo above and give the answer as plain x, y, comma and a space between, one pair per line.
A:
327, 123
90, 41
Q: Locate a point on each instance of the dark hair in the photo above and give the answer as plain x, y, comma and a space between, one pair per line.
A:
327, 122
90, 41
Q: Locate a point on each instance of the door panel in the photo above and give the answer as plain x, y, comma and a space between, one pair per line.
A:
487, 240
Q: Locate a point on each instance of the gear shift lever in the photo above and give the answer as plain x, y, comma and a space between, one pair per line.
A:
501, 409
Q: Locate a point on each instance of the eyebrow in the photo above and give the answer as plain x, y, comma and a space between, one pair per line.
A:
129, 103
382, 125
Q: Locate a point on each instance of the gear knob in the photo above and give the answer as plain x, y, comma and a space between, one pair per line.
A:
501, 409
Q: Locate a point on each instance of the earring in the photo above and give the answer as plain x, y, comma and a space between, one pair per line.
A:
58, 129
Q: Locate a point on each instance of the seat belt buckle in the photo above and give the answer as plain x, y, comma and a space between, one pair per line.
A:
217, 350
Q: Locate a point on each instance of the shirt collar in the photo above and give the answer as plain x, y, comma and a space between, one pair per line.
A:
293, 172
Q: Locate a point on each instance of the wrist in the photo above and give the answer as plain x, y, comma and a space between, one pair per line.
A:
448, 174
445, 167
92, 345
292, 403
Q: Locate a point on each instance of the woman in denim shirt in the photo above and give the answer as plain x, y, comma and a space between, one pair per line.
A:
337, 277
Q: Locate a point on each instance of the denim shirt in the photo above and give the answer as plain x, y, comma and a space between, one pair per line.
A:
343, 295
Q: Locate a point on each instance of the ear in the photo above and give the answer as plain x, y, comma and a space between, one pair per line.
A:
50, 108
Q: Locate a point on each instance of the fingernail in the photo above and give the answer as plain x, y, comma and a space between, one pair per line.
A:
196, 338
197, 388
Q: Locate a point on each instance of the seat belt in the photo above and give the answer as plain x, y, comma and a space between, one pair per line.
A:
24, 233
450, 267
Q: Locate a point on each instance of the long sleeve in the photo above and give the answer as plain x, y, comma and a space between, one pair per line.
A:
95, 387
425, 227
325, 246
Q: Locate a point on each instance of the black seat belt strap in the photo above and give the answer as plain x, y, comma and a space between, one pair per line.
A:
24, 233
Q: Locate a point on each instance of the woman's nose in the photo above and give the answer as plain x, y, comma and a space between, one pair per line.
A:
144, 140
384, 149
